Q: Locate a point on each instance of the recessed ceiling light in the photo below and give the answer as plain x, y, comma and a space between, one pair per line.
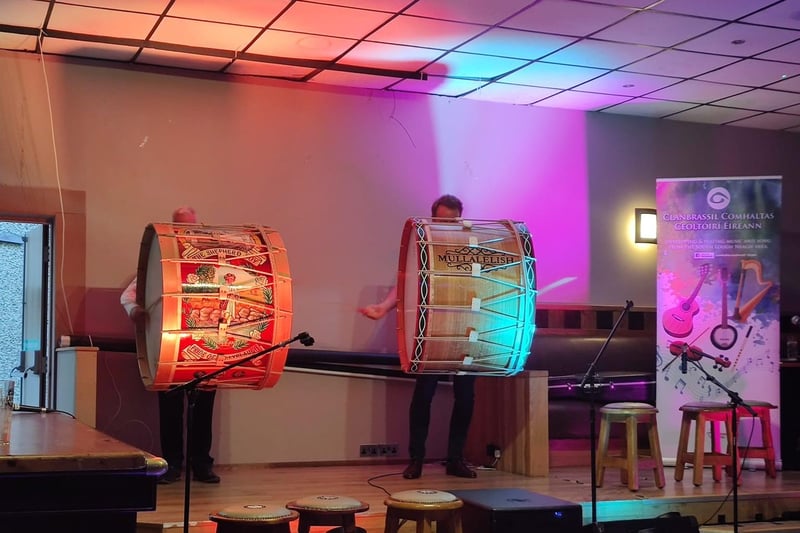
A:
738, 41
314, 43
629, 85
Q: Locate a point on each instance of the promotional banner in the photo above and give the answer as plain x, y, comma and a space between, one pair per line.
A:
718, 301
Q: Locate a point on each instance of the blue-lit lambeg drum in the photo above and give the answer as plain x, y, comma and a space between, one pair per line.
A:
466, 297
214, 295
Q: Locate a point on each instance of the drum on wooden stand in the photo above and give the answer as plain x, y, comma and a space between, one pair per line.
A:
214, 295
466, 297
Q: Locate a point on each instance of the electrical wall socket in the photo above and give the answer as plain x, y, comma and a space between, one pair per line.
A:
378, 450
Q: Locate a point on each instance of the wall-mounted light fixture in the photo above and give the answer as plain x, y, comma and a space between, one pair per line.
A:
646, 223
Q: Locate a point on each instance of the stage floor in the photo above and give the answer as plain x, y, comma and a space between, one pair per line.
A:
760, 498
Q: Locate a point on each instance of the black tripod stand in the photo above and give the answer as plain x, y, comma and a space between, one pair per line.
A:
191, 388
590, 387
735, 403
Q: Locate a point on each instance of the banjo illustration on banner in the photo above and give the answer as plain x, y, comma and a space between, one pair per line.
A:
724, 335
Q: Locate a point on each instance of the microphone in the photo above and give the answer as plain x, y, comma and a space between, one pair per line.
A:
305, 339
795, 320
685, 359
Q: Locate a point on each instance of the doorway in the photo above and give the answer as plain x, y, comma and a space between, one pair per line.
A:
26, 308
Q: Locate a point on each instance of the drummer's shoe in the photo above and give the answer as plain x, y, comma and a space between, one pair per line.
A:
414, 469
170, 476
458, 468
205, 475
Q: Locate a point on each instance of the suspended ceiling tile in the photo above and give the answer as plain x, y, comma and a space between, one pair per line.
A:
243, 12
791, 84
657, 29
552, 75
299, 45
726, 10
511, 94
156, 7
105, 22
784, 14
330, 20
438, 86
709, 114
16, 41
699, 92
769, 121
679, 64
111, 52
390, 56
429, 33
489, 13
581, 101
752, 40
378, 5
793, 110
167, 58
515, 43
353, 79
459, 64
753, 73
627, 83
601, 54
789, 53
647, 107
639, 4
205, 34
761, 99
272, 70
24, 13
566, 17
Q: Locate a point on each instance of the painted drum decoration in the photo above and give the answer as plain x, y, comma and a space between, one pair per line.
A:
466, 296
214, 295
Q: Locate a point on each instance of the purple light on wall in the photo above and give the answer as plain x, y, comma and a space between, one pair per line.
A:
535, 173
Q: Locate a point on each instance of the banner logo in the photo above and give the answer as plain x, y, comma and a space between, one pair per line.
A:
718, 198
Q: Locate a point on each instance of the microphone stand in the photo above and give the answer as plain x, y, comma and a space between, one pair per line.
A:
735, 403
192, 390
589, 386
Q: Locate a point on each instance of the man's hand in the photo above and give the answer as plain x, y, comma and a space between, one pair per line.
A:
374, 311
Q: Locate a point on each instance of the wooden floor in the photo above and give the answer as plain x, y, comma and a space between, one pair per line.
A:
759, 496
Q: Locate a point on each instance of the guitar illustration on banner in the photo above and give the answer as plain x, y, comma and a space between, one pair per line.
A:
678, 321
724, 336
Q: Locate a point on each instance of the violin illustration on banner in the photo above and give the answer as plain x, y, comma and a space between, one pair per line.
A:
693, 353
678, 321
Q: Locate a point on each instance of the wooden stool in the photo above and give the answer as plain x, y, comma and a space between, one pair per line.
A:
424, 506
766, 450
326, 510
631, 414
716, 414
255, 518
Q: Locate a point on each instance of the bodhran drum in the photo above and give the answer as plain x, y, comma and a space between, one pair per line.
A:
214, 295
466, 297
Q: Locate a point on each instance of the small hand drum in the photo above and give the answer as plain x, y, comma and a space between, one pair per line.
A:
214, 295
466, 297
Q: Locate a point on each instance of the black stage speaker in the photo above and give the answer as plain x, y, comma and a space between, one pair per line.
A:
517, 511
665, 524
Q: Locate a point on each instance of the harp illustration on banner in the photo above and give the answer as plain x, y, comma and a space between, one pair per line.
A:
742, 310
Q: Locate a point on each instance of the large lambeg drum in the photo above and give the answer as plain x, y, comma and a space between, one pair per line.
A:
466, 297
214, 295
